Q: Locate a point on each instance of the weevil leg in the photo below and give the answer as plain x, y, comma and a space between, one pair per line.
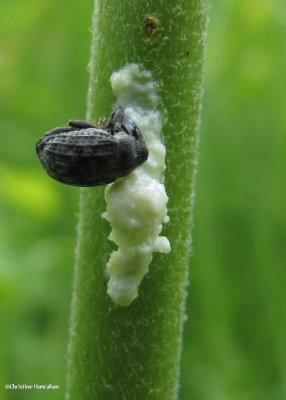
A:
102, 123
79, 124
116, 119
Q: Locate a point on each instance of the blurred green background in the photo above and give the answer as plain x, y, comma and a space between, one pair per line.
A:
235, 333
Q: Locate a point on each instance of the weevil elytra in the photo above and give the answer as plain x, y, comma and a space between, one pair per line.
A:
83, 154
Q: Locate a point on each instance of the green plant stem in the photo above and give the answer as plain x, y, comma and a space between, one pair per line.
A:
133, 353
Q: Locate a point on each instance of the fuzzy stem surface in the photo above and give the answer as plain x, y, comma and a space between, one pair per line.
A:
133, 353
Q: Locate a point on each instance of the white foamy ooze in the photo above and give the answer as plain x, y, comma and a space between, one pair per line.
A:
136, 205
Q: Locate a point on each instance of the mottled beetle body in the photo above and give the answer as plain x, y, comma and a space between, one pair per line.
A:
87, 155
